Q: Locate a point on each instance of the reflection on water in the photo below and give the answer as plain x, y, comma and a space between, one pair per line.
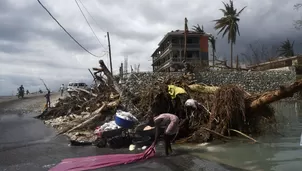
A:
275, 152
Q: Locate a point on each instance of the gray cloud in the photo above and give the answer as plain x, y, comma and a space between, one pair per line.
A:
12, 48
33, 45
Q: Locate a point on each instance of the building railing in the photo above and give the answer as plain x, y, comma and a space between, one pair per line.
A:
162, 65
164, 51
178, 45
171, 46
162, 55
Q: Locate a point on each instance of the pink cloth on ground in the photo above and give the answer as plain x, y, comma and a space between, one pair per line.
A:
169, 121
95, 162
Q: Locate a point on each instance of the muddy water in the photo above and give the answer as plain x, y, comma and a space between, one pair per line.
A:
27, 144
275, 153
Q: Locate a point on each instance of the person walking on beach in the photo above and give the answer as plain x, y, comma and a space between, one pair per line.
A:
62, 89
47, 96
170, 123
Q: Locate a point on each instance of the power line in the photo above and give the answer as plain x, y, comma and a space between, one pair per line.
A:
89, 24
68, 32
90, 14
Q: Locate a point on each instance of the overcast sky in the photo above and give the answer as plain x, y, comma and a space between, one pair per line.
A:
33, 46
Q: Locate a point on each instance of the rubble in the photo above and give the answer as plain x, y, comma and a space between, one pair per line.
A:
226, 111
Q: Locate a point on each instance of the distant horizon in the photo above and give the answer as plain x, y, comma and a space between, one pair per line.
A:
52, 86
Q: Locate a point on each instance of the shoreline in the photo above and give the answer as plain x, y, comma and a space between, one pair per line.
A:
183, 158
29, 104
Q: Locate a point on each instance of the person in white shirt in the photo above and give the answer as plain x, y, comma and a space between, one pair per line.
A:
62, 89
191, 107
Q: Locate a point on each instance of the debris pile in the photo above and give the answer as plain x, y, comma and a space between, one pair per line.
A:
224, 111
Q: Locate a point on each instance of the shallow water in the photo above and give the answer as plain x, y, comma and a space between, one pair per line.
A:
27, 144
274, 153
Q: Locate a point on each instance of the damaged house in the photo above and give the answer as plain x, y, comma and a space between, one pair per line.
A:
169, 55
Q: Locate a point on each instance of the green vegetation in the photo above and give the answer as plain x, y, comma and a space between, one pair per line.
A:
287, 49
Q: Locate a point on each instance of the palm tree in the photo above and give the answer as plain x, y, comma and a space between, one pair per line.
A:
229, 24
212, 39
286, 49
198, 29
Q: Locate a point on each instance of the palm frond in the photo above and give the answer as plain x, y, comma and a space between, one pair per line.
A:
240, 11
198, 29
286, 48
228, 23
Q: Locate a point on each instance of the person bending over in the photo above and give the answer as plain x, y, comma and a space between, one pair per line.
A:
170, 123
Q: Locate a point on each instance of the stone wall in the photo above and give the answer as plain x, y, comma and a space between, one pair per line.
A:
251, 81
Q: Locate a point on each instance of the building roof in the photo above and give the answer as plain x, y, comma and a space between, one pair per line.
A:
180, 32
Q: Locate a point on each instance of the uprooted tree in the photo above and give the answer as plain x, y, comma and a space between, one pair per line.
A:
225, 110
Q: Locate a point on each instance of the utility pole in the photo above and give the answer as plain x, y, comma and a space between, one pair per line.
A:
185, 34
109, 53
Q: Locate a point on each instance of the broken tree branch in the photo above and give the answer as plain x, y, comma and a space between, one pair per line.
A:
276, 95
87, 121
86, 91
216, 133
94, 78
110, 77
234, 130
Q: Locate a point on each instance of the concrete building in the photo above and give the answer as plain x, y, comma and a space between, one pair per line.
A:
170, 53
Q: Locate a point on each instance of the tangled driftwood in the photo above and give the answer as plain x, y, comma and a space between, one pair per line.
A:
226, 111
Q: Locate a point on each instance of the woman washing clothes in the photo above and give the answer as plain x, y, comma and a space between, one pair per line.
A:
170, 123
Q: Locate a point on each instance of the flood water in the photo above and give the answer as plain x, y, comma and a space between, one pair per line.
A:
27, 144
274, 153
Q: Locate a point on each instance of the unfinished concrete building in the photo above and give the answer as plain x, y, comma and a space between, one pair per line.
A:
169, 55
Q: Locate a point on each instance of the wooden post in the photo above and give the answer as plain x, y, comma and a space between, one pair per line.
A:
109, 53
94, 79
109, 77
185, 34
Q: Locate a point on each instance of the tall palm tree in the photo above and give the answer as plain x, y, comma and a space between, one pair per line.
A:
286, 49
229, 24
212, 39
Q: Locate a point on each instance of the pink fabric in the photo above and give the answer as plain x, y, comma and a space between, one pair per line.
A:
95, 162
168, 120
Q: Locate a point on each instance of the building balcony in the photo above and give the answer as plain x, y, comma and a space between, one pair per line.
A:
189, 46
177, 46
163, 65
